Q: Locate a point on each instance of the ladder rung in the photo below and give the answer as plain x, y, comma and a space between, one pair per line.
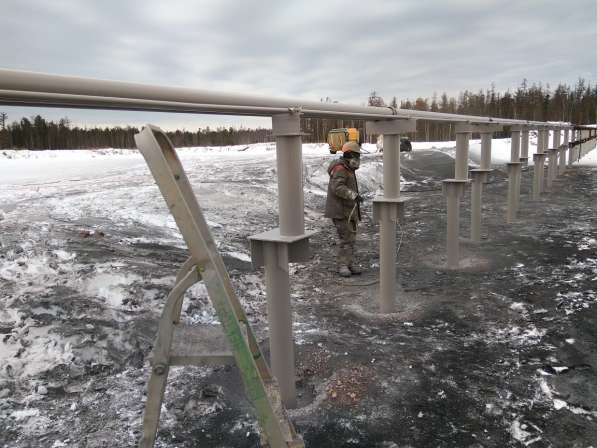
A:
200, 345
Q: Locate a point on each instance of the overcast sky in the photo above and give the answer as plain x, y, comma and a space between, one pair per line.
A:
307, 49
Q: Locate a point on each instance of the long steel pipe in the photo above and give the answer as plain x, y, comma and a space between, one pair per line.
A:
40, 89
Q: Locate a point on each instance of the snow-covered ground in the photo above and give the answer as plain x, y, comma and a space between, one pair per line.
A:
22, 167
95, 188
88, 250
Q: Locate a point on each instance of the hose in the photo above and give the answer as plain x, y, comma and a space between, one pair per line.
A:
373, 282
350, 218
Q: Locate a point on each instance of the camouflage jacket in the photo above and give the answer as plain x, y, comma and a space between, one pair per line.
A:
342, 191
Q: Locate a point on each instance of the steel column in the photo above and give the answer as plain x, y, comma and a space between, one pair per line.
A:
515, 145
514, 173
289, 153
387, 263
453, 230
486, 150
453, 190
290, 185
545, 145
524, 145
279, 313
552, 167
572, 150
478, 177
564, 159
387, 224
556, 145
388, 208
462, 149
274, 249
514, 169
556, 138
538, 163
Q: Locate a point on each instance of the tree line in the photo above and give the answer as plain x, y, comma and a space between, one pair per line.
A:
577, 104
38, 133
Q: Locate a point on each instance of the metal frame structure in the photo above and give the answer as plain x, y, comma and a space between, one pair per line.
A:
289, 242
179, 344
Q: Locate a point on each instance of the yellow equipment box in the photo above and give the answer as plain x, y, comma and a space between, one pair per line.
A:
337, 138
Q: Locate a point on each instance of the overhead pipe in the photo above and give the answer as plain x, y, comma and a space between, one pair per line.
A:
35, 89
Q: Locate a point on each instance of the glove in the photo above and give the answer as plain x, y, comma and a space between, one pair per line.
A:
360, 199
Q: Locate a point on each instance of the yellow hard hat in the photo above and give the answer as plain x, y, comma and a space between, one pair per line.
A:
351, 147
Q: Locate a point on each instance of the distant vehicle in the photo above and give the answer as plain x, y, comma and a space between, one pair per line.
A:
337, 138
405, 144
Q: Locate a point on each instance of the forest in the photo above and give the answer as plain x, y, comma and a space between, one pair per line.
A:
576, 104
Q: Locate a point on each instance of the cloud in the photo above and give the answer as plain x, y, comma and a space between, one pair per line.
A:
309, 49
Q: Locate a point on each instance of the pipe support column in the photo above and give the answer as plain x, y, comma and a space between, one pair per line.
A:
514, 175
562, 160
563, 150
524, 145
538, 164
275, 248
542, 173
462, 149
478, 177
552, 167
279, 313
453, 190
389, 209
514, 170
515, 145
572, 156
486, 150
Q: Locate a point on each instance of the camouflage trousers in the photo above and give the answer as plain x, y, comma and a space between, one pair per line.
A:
347, 235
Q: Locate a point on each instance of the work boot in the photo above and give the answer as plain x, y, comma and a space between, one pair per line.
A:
344, 271
355, 270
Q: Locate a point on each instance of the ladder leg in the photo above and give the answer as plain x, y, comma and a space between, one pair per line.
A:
261, 388
160, 363
155, 395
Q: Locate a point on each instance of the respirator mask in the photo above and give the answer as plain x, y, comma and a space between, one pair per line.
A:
353, 159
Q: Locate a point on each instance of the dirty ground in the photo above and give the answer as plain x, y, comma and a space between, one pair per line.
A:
500, 354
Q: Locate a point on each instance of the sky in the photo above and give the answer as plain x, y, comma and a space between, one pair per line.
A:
308, 49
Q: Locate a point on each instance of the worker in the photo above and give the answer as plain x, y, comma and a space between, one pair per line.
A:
343, 205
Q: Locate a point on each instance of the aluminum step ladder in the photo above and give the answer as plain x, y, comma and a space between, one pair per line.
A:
231, 342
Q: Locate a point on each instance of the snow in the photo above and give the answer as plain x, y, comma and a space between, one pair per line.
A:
109, 286
25, 413
517, 430
94, 190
